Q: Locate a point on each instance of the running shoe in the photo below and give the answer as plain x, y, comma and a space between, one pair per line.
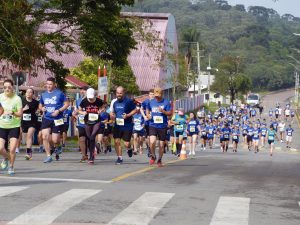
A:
17, 150
119, 161
83, 159
48, 159
11, 171
109, 148
149, 152
98, 147
57, 157
91, 161
135, 152
41, 149
159, 163
28, 156
4, 164
63, 145
152, 160
52, 150
130, 153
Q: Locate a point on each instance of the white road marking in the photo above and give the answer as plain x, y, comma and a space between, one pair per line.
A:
58, 179
47, 212
10, 189
231, 211
142, 210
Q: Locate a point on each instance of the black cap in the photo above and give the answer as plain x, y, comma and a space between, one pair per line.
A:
84, 88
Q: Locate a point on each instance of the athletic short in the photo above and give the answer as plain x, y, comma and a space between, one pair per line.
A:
210, 137
235, 141
221, 140
146, 127
50, 124
125, 135
140, 133
204, 137
25, 127
256, 140
178, 133
65, 128
289, 138
225, 139
161, 133
9, 133
249, 138
276, 116
38, 126
107, 131
192, 134
270, 141
81, 132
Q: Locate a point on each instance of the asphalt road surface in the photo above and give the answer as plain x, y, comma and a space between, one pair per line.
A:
210, 189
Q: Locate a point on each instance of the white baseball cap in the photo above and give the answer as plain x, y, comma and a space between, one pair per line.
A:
90, 93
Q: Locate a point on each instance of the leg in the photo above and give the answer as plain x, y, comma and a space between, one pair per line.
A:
152, 145
12, 150
45, 136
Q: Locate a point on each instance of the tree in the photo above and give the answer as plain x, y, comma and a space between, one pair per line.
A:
120, 76
230, 78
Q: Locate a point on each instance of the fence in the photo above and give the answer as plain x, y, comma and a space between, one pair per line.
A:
190, 104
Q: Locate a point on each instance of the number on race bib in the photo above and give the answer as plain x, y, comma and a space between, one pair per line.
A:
81, 119
179, 127
120, 121
27, 117
158, 119
58, 122
235, 137
93, 117
192, 129
40, 119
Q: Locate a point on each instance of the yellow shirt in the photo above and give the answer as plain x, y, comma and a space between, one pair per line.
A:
10, 104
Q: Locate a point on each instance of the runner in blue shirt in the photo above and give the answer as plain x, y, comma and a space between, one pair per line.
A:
271, 134
123, 111
192, 132
104, 131
203, 135
138, 130
275, 125
158, 111
225, 132
271, 113
210, 130
235, 137
250, 130
53, 103
67, 115
289, 136
180, 124
256, 134
244, 131
263, 134
81, 125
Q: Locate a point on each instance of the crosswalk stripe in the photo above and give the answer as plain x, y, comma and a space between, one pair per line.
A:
231, 211
142, 210
47, 212
10, 189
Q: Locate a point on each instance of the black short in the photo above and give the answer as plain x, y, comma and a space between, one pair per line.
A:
25, 127
38, 126
270, 141
65, 128
140, 133
9, 133
105, 131
204, 137
161, 133
46, 124
81, 132
178, 133
125, 135
249, 138
146, 127
172, 131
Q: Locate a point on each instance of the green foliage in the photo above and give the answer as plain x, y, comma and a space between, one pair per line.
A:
259, 36
87, 71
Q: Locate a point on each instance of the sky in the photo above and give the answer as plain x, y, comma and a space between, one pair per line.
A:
281, 6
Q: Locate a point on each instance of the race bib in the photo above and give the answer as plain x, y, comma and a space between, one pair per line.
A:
58, 122
289, 134
40, 119
120, 121
27, 117
179, 127
235, 137
158, 119
7, 118
271, 138
93, 117
65, 119
192, 129
203, 133
81, 119
226, 136
138, 127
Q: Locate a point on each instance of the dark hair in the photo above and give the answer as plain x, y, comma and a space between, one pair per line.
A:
84, 88
151, 90
52, 79
195, 117
30, 89
9, 81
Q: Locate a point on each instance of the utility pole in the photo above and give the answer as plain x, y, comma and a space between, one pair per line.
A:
296, 88
208, 83
199, 69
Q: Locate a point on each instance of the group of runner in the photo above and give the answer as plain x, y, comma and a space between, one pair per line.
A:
127, 121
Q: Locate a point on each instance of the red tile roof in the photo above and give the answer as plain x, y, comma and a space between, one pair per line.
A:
75, 81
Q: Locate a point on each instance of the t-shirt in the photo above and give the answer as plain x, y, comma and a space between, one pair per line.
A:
53, 101
104, 116
255, 133
158, 119
144, 107
92, 109
289, 131
225, 132
138, 121
12, 104
235, 134
182, 123
67, 114
126, 105
192, 126
29, 115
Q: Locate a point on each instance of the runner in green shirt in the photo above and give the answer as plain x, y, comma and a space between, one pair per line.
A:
10, 122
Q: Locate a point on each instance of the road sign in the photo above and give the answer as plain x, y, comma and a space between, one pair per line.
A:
102, 86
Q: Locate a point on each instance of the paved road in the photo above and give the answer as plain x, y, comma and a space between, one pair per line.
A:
211, 189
